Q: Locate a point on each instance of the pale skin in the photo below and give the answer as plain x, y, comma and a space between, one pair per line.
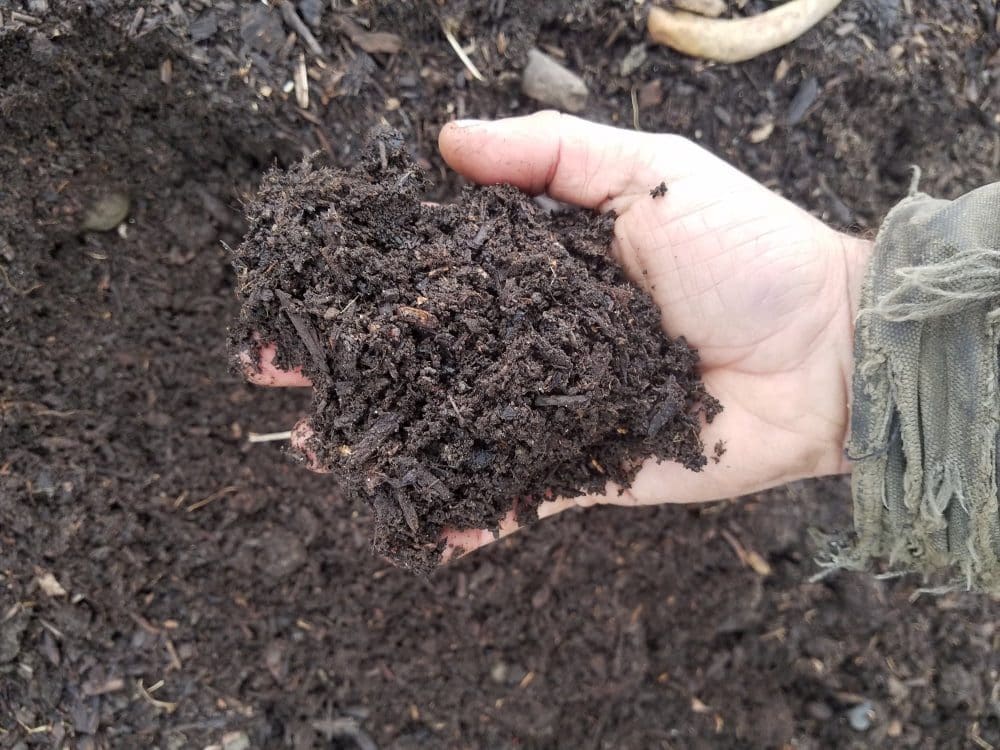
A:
764, 291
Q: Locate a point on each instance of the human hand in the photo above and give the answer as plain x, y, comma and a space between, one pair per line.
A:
763, 290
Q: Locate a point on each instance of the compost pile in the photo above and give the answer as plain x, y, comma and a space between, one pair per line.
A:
468, 358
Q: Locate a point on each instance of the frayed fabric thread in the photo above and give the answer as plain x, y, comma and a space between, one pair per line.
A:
968, 278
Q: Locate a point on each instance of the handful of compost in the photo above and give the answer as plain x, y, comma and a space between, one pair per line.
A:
466, 359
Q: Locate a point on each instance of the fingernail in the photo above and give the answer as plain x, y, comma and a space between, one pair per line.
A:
468, 123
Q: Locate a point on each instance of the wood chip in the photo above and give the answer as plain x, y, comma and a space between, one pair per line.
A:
110, 685
805, 97
305, 330
371, 42
301, 83
24, 18
166, 71
409, 513
782, 70
761, 133
49, 585
560, 400
420, 318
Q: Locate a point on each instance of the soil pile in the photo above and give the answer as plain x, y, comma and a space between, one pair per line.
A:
462, 355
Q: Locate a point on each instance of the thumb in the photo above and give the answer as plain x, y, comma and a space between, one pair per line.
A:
571, 159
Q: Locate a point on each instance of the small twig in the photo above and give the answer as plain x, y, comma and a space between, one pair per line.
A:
10, 284
146, 696
267, 437
461, 54
40, 410
747, 557
293, 20
328, 315
211, 498
461, 419
41, 729
175, 660
25, 18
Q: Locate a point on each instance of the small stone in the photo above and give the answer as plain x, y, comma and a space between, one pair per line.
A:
634, 59
804, 98
861, 716
279, 553
819, 711
107, 213
38, 7
498, 673
549, 82
311, 11
710, 8
235, 741
204, 26
50, 585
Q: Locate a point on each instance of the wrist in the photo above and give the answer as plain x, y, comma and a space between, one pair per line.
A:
856, 253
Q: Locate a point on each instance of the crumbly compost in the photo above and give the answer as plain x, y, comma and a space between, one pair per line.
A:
467, 359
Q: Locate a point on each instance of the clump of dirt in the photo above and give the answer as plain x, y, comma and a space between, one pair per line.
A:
463, 356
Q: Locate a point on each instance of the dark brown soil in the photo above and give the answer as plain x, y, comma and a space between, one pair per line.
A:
461, 355
246, 583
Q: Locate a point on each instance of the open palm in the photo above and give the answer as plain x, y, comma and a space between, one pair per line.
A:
762, 289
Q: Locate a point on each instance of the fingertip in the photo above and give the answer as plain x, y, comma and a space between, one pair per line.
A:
454, 140
551, 507
460, 542
515, 150
572, 160
264, 372
302, 434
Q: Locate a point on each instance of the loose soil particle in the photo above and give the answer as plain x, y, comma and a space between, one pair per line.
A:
467, 359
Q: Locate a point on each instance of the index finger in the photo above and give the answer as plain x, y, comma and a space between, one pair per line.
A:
264, 371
